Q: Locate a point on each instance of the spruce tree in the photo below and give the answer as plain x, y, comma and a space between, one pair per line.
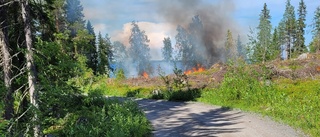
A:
275, 45
74, 16
104, 55
264, 36
92, 54
230, 47
315, 44
299, 45
287, 28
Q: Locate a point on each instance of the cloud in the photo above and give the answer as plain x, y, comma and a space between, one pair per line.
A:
156, 32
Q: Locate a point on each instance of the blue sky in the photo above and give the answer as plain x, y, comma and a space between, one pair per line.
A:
114, 17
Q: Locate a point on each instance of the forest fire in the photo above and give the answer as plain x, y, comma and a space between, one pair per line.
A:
199, 68
145, 75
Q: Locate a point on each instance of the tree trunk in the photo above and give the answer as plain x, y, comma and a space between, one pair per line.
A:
6, 58
30, 65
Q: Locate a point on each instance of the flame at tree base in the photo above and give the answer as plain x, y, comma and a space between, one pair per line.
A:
199, 68
145, 75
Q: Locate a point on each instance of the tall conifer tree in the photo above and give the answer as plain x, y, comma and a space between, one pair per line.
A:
299, 45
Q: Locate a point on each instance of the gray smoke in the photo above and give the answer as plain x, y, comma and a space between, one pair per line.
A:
216, 19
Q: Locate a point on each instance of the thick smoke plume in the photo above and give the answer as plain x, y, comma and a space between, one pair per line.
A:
216, 19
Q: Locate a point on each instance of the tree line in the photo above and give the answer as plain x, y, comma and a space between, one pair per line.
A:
286, 40
48, 52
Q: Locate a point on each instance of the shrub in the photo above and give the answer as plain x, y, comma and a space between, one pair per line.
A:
98, 116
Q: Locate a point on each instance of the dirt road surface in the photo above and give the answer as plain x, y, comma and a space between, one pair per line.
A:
180, 119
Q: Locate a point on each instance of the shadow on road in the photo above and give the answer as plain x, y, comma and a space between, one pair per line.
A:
189, 119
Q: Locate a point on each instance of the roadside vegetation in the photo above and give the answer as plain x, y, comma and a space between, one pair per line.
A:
56, 71
282, 90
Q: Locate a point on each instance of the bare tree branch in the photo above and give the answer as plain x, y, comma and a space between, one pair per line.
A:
22, 71
15, 91
8, 3
9, 129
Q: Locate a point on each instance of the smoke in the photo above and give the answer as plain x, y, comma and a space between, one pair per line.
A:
216, 19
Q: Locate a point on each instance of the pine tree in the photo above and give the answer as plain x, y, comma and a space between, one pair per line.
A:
315, 44
264, 36
139, 50
299, 45
287, 28
167, 50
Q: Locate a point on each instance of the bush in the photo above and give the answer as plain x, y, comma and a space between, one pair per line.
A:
98, 116
295, 102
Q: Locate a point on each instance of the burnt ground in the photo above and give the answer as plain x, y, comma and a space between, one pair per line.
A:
298, 68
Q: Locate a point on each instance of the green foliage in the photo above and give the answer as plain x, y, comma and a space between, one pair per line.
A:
120, 74
299, 46
74, 16
287, 28
188, 95
104, 55
98, 116
180, 80
230, 47
178, 90
315, 44
295, 102
3, 123
263, 49
84, 76
92, 54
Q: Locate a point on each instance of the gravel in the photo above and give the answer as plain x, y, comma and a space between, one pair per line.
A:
180, 119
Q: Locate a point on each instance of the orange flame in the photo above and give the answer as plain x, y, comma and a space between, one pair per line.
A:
145, 75
199, 68
318, 68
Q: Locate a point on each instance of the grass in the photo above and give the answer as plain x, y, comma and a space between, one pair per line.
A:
97, 116
294, 102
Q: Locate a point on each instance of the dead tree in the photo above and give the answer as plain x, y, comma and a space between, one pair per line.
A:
6, 62
25, 11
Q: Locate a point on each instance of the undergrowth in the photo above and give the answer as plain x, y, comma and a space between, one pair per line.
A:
295, 102
97, 116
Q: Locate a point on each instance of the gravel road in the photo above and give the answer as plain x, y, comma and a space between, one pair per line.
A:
180, 119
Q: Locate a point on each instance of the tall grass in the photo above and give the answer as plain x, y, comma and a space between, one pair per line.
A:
295, 102
96, 116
